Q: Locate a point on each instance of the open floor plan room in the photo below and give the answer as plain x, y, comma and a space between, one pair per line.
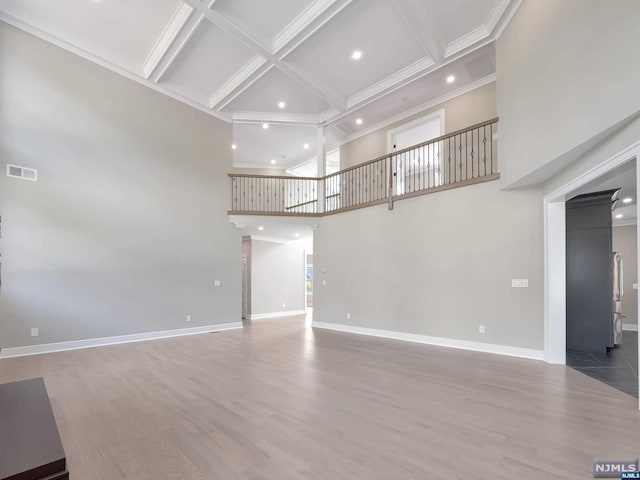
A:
278, 400
319, 239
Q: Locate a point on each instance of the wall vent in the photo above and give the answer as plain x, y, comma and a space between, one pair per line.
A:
23, 173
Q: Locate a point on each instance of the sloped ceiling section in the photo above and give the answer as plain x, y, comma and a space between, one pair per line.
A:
286, 63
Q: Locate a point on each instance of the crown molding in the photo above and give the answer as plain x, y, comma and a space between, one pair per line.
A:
231, 88
328, 114
499, 7
466, 41
496, 21
392, 82
127, 72
512, 8
420, 108
282, 118
167, 37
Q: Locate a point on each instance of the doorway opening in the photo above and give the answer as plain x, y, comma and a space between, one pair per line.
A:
608, 175
276, 258
408, 135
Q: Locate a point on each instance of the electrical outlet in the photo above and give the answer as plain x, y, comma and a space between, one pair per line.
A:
189, 318
284, 305
324, 283
34, 332
481, 329
216, 283
348, 316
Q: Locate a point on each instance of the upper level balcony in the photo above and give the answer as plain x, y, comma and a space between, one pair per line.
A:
454, 160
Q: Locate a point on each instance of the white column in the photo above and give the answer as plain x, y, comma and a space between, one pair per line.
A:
321, 155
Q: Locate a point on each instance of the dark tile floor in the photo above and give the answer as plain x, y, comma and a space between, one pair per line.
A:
617, 368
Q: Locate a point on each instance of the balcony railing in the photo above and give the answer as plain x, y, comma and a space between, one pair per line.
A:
454, 160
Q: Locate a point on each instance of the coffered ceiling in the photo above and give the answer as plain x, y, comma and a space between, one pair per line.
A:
238, 59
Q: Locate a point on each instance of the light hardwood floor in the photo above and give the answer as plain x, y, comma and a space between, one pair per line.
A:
279, 401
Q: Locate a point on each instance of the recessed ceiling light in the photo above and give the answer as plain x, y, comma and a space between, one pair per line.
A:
273, 162
281, 104
619, 215
451, 79
359, 121
265, 125
296, 234
357, 55
306, 146
234, 146
260, 228
627, 200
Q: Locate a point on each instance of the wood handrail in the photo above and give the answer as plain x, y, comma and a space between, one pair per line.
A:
286, 177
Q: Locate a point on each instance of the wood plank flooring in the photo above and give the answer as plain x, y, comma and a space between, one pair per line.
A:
280, 401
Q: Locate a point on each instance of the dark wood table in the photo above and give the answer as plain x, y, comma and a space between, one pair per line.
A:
30, 445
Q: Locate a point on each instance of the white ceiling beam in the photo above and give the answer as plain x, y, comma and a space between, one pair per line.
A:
243, 78
167, 38
279, 118
306, 24
264, 51
392, 82
177, 47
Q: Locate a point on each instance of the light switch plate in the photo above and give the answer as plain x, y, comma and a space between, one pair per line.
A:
324, 283
635, 286
216, 283
34, 332
520, 283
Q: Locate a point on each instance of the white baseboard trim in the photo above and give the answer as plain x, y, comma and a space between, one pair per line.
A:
100, 342
287, 313
438, 341
630, 327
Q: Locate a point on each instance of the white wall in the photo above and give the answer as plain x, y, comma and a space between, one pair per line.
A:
126, 229
566, 72
438, 265
277, 277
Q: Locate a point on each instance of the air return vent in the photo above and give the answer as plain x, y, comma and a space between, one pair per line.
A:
22, 173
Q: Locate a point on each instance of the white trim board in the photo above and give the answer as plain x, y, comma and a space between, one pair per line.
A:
100, 342
630, 327
437, 341
287, 313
